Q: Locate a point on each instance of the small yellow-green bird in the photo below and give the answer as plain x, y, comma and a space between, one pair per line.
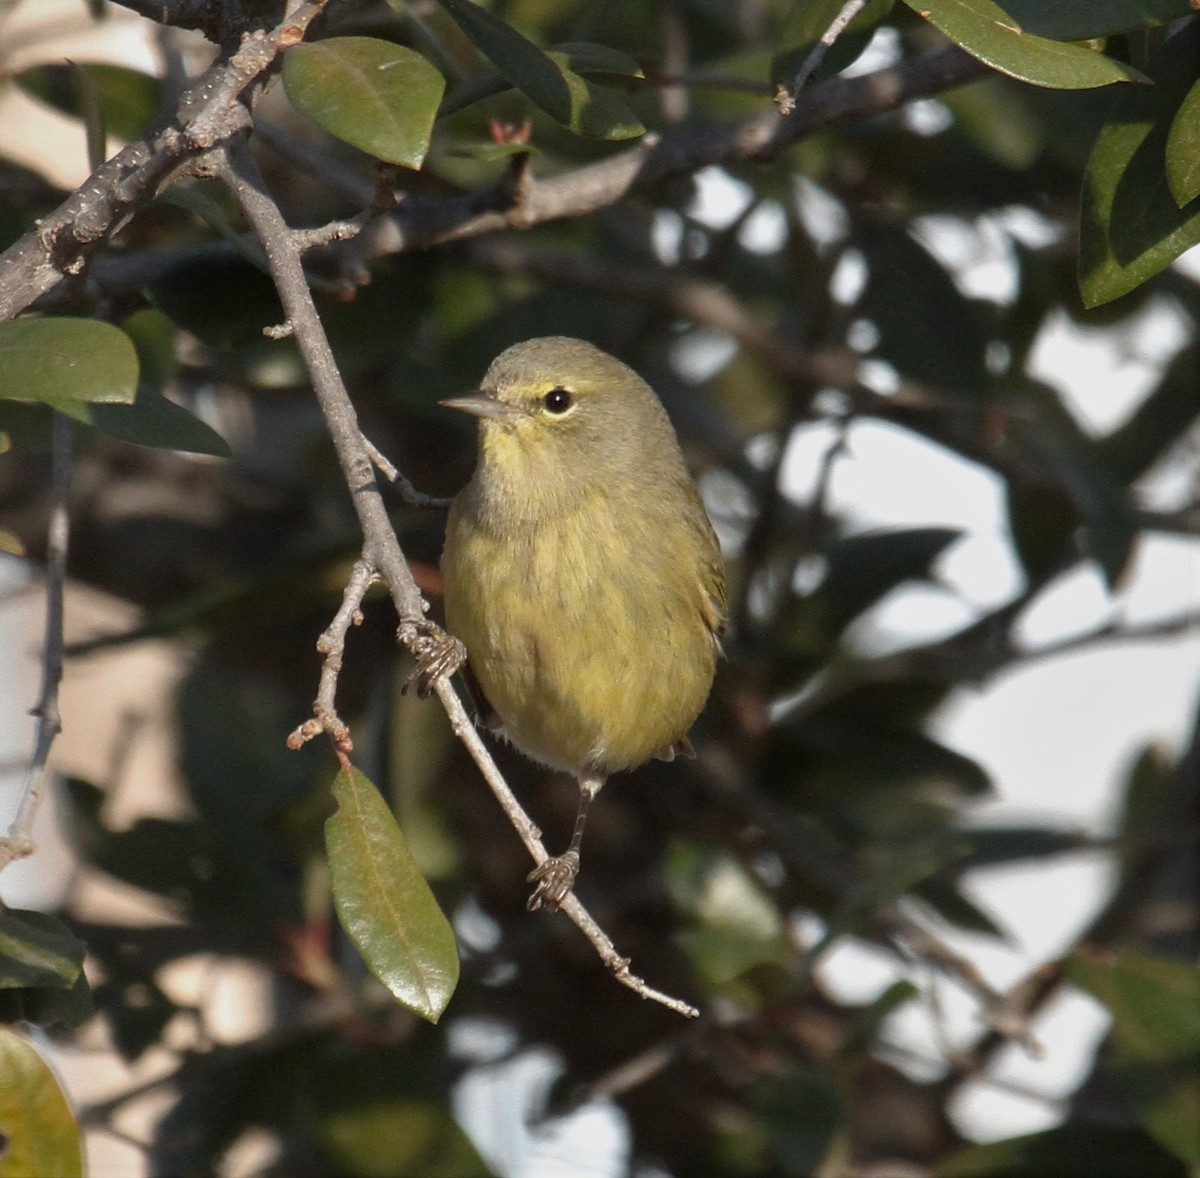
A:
581, 572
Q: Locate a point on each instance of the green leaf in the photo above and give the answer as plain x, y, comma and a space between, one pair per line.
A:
92, 106
1148, 786
225, 302
377, 96
1075, 488
1071, 20
390, 1136
1073, 1150
64, 362
1158, 422
563, 94
1130, 224
995, 37
733, 923
155, 421
1154, 1001
863, 569
384, 903
36, 949
928, 329
808, 22
129, 99
581, 56
1183, 149
38, 1131
1172, 1114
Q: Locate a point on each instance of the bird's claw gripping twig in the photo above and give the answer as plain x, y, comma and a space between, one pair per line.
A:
555, 878
438, 656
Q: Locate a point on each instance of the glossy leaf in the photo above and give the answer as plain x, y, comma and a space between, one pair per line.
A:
384, 903
38, 1132
1183, 149
62, 362
1080, 20
986, 31
380, 97
1130, 224
563, 94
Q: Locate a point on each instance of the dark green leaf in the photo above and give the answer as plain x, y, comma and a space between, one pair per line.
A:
1073, 1150
987, 846
808, 22
224, 302
869, 1019
1147, 788
988, 32
36, 949
384, 903
803, 1114
1130, 224
1171, 1112
1071, 20
92, 107
927, 329
863, 569
1183, 149
154, 421
136, 1010
380, 97
37, 1129
580, 56
1074, 468
65, 361
1154, 1001
733, 924
129, 99
563, 94
1157, 423
952, 904
395, 1137
49, 1006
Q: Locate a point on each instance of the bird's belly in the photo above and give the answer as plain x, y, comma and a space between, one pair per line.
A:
588, 659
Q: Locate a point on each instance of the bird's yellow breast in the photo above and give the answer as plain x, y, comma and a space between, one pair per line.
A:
591, 634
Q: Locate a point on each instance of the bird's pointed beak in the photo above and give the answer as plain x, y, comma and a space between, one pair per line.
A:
481, 405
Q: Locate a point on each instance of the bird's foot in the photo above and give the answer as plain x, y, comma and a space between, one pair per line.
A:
555, 878
438, 656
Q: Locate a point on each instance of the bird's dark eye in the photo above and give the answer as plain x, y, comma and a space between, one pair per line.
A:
558, 400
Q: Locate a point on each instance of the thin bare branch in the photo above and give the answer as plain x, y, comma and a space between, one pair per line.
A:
236, 167
208, 113
19, 841
787, 100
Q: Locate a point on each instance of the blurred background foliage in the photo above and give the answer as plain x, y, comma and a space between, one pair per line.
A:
819, 800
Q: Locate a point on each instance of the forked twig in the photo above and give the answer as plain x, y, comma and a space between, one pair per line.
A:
382, 557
